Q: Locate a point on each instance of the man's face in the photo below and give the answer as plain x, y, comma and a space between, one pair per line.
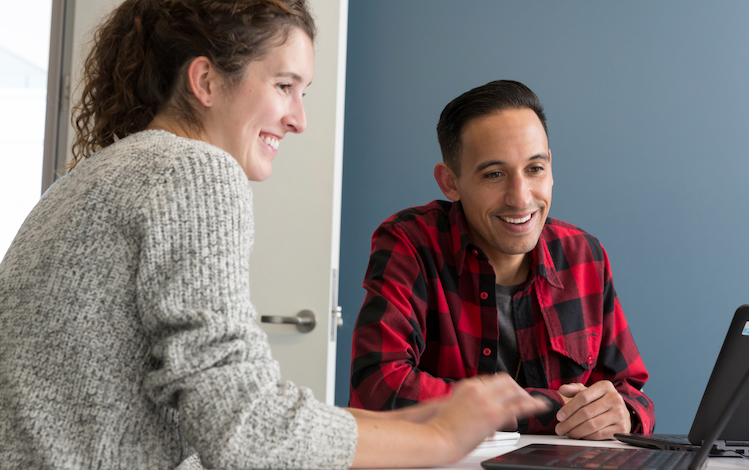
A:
505, 181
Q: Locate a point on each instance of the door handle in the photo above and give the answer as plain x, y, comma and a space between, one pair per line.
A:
304, 320
338, 317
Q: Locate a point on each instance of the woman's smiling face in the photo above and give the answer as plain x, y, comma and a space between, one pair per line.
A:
249, 120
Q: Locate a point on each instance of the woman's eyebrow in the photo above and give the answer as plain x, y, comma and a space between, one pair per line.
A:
290, 75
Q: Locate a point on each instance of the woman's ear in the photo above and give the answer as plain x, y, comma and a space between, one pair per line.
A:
204, 81
447, 181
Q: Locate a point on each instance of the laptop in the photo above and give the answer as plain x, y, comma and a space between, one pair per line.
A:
729, 371
545, 456
730, 367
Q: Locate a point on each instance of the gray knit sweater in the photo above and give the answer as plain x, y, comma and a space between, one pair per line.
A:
127, 337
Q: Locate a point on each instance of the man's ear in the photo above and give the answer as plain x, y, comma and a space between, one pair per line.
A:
448, 181
203, 80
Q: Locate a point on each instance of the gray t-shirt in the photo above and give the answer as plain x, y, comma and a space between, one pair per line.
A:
508, 354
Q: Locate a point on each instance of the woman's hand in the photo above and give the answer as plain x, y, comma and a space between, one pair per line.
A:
478, 407
444, 430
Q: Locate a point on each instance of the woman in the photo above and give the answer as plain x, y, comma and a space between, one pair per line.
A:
127, 337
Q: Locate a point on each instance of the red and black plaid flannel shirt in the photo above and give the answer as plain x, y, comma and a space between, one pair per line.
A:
430, 317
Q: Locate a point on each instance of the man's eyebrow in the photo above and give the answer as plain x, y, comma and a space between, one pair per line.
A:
488, 163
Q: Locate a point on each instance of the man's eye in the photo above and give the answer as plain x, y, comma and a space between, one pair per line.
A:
536, 169
493, 175
285, 87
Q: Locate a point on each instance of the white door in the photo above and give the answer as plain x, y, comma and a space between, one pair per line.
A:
297, 211
297, 219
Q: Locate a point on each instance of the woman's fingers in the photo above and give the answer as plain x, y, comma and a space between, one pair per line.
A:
480, 406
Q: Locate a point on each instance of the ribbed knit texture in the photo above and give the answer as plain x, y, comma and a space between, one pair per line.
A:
127, 336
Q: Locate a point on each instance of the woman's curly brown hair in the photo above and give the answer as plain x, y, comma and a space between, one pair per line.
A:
137, 65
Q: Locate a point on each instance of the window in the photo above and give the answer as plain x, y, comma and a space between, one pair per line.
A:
24, 54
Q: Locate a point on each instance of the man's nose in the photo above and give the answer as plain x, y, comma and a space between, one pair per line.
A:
518, 192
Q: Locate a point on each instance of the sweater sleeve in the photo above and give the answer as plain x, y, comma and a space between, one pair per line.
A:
211, 361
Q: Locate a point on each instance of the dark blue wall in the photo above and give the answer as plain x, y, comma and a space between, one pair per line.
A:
647, 112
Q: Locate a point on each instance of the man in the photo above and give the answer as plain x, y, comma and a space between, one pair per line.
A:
487, 283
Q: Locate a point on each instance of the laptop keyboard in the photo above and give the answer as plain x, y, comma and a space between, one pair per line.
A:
613, 458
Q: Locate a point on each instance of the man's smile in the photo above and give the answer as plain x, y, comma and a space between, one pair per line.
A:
521, 220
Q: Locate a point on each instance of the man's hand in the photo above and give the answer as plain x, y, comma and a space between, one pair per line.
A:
595, 412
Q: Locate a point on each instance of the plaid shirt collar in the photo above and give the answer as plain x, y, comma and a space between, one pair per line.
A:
542, 264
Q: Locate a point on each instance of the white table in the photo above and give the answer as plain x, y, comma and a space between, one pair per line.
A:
474, 459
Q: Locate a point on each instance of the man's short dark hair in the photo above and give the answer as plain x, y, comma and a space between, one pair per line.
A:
481, 101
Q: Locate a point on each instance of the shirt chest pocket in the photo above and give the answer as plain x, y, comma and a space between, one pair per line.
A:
572, 333
579, 346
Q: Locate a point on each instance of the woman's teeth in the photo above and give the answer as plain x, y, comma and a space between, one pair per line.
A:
273, 143
517, 221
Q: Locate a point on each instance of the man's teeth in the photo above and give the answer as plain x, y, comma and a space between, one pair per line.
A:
517, 221
270, 141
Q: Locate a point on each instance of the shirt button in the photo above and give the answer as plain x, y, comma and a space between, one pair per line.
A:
487, 351
590, 359
475, 252
484, 296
